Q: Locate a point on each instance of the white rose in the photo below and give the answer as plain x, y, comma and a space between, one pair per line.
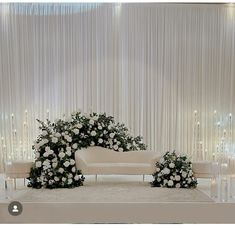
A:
91, 122
177, 178
46, 154
109, 127
74, 169
100, 127
157, 169
75, 146
44, 133
111, 135
46, 162
189, 180
100, 140
166, 171
177, 185
76, 131
60, 170
43, 142
66, 164
171, 165
68, 138
68, 153
64, 179
92, 143
61, 154
120, 149
72, 162
56, 178
165, 181
105, 132
170, 183
57, 135
158, 179
50, 152
184, 174
70, 181
47, 148
115, 147
54, 165
68, 148
38, 164
37, 155
93, 133
54, 139
70, 175
76, 177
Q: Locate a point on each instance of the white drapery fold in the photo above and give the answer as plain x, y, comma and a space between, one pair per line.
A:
148, 65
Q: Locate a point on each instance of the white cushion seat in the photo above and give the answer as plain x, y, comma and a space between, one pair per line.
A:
119, 168
18, 169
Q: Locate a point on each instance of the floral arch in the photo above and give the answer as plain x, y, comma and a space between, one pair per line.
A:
55, 147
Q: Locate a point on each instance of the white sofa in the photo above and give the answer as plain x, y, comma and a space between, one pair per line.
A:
98, 160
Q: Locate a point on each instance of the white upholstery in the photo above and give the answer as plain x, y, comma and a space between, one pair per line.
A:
99, 160
18, 169
205, 169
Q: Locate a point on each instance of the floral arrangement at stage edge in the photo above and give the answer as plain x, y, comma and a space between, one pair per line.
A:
174, 171
55, 147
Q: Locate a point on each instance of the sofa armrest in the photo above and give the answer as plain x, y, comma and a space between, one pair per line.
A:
81, 164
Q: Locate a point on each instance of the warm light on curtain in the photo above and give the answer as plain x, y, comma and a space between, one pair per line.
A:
149, 65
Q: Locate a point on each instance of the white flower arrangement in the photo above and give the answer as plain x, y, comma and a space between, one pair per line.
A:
55, 147
174, 171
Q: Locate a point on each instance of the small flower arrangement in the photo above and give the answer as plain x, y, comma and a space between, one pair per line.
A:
174, 171
55, 147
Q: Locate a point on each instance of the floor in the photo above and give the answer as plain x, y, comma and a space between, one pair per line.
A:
117, 199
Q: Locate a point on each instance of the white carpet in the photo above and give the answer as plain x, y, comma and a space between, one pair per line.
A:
114, 192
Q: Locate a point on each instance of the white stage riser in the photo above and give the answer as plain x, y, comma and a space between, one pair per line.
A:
121, 213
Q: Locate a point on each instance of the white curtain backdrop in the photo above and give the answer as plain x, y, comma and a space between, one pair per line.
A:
162, 69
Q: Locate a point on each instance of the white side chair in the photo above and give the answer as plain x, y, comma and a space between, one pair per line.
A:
208, 170
17, 169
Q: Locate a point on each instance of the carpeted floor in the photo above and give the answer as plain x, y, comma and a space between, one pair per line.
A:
109, 190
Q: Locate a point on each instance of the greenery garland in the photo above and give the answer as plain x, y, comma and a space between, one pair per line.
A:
174, 171
55, 147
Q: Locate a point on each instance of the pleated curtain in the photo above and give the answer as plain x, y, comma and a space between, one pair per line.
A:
165, 70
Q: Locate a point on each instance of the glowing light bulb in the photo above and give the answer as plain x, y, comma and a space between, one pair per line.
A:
230, 115
218, 123
195, 112
198, 123
215, 111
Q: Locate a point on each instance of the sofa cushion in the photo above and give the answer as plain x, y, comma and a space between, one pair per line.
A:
118, 168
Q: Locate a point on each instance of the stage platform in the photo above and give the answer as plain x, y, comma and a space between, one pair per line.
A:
117, 199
